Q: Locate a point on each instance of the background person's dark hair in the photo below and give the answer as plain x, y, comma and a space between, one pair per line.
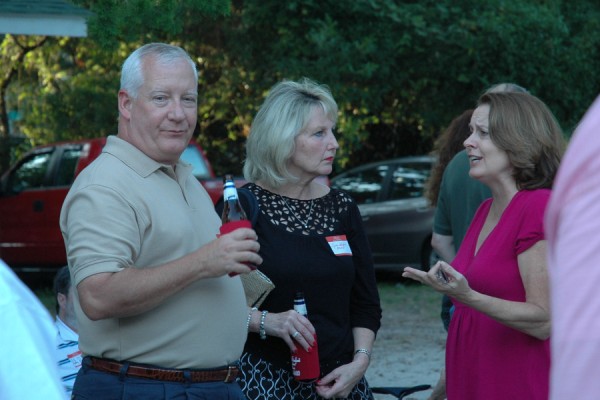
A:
446, 146
62, 283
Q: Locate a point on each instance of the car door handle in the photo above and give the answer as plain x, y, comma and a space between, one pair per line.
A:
38, 205
365, 217
423, 209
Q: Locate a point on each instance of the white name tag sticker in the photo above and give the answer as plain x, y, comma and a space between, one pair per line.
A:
339, 245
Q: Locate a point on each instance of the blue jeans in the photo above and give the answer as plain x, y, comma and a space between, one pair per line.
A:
95, 385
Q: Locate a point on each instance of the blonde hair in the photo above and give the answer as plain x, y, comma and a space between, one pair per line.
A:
284, 114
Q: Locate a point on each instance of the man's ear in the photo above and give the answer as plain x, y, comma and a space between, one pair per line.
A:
62, 300
125, 103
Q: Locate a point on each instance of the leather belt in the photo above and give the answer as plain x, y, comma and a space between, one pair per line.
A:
226, 375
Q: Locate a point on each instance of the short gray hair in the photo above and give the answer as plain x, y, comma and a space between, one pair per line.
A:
506, 87
284, 114
132, 77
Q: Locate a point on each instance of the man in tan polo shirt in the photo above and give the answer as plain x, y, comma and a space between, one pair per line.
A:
159, 316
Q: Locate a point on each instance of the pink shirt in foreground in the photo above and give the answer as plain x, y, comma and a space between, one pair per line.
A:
573, 234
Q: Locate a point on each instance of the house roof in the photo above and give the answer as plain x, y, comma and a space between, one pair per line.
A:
43, 17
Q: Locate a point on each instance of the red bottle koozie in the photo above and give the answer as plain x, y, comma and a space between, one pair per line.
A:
305, 365
232, 226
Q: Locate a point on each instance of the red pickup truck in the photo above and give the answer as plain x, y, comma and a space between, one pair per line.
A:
33, 190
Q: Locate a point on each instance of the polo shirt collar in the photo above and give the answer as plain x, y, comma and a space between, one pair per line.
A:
135, 159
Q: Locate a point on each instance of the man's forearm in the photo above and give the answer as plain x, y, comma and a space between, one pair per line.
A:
443, 245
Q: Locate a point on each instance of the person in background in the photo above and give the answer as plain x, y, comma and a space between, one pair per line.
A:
498, 279
158, 314
312, 240
446, 146
69, 355
28, 367
572, 224
458, 197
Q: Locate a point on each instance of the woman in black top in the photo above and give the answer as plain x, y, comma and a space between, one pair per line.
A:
312, 241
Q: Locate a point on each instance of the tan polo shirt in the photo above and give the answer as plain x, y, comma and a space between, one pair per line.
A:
127, 211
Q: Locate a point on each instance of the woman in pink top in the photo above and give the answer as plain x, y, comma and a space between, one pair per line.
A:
497, 346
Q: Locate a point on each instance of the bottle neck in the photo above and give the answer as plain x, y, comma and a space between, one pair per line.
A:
300, 307
230, 193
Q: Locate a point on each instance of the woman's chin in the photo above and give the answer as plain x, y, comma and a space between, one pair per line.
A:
325, 171
476, 174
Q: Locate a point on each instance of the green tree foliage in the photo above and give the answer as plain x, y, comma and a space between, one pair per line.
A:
13, 52
73, 95
67, 88
400, 70
141, 21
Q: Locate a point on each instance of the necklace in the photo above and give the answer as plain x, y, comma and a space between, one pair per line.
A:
304, 223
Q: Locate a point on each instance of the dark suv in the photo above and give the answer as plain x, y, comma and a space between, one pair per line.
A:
397, 218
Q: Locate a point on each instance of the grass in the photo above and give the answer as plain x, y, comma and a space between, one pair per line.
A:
411, 296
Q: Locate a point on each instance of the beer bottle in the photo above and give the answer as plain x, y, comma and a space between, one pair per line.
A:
232, 208
305, 364
233, 215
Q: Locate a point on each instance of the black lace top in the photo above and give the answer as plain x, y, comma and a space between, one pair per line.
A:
339, 288
306, 217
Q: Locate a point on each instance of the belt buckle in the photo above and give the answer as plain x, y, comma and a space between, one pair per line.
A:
229, 371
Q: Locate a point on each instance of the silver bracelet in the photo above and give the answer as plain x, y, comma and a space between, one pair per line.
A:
364, 351
250, 317
261, 328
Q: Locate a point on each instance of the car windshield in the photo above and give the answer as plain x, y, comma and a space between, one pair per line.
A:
192, 155
363, 185
408, 180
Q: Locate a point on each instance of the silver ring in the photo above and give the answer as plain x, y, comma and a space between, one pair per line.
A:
295, 334
441, 276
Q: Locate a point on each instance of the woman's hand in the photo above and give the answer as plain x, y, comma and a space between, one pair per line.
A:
292, 327
341, 381
531, 316
441, 277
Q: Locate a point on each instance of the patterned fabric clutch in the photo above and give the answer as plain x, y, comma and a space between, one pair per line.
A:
257, 286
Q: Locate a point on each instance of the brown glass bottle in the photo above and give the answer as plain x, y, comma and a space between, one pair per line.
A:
305, 364
232, 208
233, 215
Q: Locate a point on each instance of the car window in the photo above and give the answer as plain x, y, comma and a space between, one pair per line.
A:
364, 185
31, 173
408, 180
192, 155
65, 175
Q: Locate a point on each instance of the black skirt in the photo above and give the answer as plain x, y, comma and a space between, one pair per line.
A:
261, 380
